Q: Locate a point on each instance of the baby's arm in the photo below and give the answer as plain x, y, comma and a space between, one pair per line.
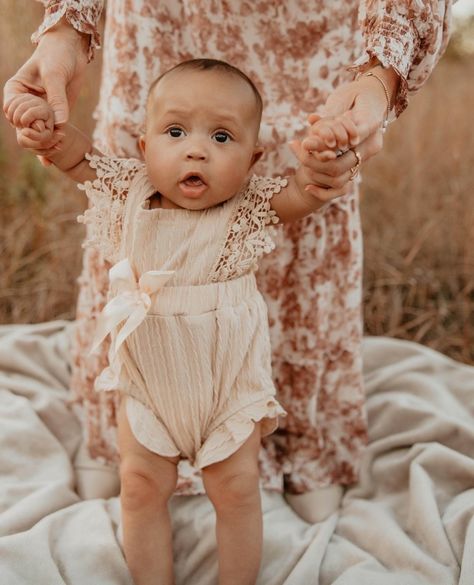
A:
301, 197
65, 147
295, 201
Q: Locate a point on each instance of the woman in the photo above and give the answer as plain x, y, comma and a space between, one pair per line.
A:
299, 54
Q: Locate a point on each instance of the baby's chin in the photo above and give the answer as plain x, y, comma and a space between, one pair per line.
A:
195, 202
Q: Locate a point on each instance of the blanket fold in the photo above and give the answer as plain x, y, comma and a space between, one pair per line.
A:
409, 521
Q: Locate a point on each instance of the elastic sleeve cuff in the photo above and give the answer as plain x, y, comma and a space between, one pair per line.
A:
83, 16
395, 43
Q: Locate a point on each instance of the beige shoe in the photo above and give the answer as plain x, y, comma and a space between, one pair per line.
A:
94, 479
317, 505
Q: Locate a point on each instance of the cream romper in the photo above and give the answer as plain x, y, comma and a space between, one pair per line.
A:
190, 339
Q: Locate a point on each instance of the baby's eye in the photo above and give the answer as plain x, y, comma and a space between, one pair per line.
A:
222, 137
175, 132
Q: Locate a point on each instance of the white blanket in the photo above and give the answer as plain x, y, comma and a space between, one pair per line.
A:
408, 522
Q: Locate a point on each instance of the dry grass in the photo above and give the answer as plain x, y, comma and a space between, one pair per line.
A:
418, 215
418, 212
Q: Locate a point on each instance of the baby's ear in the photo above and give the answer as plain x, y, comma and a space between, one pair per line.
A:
256, 156
141, 144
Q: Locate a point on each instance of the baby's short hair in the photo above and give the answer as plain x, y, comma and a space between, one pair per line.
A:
209, 64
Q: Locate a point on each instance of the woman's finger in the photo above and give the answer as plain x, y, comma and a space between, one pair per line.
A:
38, 125
22, 109
17, 99
39, 112
23, 82
313, 118
313, 143
16, 103
34, 145
326, 155
326, 195
336, 173
40, 140
328, 182
333, 168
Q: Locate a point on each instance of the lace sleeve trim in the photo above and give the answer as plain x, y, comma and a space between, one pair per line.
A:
107, 194
83, 15
249, 234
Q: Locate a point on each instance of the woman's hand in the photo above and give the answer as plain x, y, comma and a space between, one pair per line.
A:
365, 103
54, 71
330, 179
33, 119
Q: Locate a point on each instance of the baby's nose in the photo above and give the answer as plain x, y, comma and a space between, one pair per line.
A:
196, 155
196, 152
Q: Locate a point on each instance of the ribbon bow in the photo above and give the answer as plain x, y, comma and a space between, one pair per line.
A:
131, 304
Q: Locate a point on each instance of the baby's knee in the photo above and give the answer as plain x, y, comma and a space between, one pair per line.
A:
140, 488
234, 492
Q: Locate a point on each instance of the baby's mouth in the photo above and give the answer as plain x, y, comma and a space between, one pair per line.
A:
192, 185
193, 180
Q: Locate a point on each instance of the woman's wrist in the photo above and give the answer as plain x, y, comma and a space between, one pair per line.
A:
64, 28
388, 75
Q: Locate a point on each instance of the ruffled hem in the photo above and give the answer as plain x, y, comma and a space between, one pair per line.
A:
223, 441
231, 434
148, 430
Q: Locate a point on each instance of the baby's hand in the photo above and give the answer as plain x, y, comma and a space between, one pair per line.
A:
330, 136
33, 119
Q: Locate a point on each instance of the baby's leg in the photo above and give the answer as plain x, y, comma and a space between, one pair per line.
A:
147, 482
233, 488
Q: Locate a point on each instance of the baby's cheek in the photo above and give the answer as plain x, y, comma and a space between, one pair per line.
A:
159, 173
234, 175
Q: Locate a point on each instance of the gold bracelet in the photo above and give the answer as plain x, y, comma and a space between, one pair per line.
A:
387, 95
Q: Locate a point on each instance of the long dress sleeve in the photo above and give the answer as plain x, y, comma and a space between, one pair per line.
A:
409, 36
83, 15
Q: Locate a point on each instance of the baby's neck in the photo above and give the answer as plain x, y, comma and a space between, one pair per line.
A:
159, 201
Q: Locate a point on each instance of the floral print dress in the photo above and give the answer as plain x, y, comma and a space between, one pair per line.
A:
297, 52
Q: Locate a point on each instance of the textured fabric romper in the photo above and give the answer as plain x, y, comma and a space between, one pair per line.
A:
190, 339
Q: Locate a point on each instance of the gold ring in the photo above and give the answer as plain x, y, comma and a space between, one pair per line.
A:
355, 168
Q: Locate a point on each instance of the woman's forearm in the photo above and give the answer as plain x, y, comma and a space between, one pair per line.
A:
81, 15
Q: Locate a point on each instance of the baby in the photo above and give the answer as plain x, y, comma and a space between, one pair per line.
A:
190, 352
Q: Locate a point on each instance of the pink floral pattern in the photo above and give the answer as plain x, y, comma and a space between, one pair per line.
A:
297, 52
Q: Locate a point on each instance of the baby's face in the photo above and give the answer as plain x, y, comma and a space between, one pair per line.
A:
200, 141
